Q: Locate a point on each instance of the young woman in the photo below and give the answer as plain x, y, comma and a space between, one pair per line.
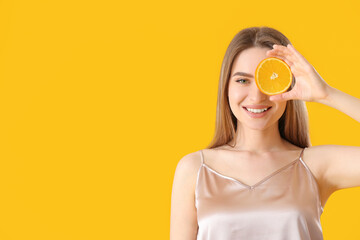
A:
260, 178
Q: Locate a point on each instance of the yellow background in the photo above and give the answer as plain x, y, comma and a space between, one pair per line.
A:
101, 99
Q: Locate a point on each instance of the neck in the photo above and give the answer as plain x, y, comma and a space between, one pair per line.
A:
258, 140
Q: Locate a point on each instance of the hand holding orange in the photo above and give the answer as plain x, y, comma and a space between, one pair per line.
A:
309, 86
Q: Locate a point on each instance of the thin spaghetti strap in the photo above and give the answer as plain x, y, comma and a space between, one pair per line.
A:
302, 152
202, 157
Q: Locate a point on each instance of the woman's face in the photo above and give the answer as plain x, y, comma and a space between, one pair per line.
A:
243, 91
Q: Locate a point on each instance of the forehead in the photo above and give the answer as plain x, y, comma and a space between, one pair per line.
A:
248, 59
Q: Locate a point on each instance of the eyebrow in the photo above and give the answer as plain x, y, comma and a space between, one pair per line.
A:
243, 74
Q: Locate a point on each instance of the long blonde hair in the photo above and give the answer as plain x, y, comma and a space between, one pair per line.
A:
293, 124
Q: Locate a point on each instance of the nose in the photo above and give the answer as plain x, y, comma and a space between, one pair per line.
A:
255, 95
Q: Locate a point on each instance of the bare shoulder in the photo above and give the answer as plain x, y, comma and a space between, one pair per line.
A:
188, 165
317, 158
338, 166
313, 156
186, 172
183, 223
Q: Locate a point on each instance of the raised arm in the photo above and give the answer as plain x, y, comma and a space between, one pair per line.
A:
343, 102
340, 165
343, 162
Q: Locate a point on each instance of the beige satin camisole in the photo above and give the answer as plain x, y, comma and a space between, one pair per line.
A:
285, 205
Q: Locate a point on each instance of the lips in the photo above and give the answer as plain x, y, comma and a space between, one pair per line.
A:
257, 115
268, 108
256, 106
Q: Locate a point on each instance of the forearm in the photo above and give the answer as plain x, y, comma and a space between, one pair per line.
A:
343, 102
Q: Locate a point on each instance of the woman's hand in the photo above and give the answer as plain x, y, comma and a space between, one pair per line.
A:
309, 85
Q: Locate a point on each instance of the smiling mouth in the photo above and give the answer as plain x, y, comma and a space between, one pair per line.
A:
256, 110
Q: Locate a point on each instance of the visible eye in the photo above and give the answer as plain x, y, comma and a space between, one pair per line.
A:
241, 80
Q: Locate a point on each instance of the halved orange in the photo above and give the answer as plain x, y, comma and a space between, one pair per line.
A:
273, 76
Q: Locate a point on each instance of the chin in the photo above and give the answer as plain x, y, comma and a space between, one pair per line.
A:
257, 126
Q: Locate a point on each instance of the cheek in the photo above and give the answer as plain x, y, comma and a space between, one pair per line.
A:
281, 109
236, 99
236, 95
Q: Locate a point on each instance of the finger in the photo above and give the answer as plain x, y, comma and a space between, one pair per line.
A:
288, 95
280, 97
276, 98
297, 53
289, 62
285, 52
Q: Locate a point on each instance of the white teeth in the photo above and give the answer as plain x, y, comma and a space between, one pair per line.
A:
256, 110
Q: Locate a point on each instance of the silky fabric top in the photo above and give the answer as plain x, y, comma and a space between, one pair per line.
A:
285, 205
